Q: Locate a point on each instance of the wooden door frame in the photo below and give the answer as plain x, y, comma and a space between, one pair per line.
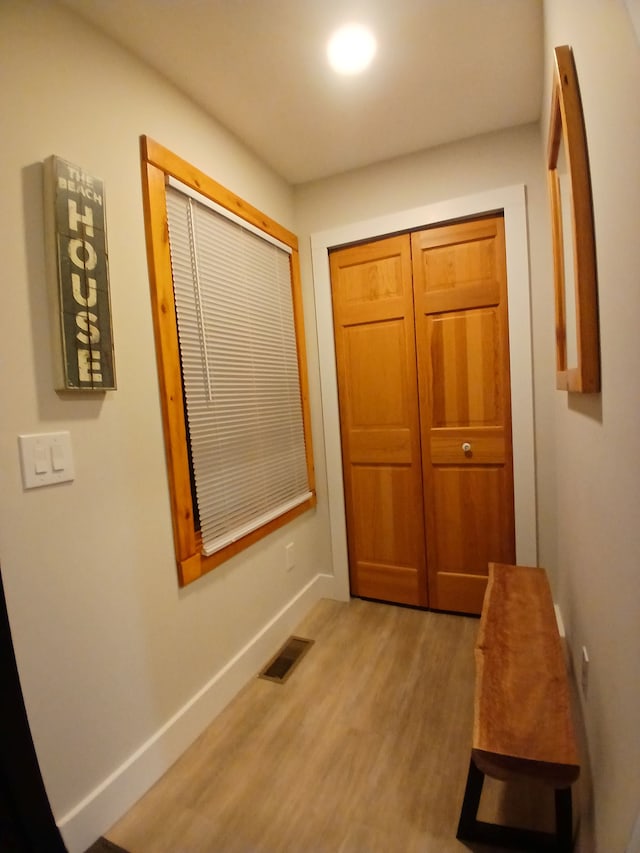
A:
512, 201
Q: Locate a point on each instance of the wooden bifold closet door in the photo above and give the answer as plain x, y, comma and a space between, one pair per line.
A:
422, 354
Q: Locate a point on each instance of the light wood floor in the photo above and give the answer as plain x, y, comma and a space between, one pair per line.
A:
364, 749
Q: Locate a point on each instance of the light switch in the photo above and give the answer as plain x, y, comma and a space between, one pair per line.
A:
57, 455
40, 457
46, 458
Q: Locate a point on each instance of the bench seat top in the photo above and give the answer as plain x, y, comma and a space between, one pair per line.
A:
522, 723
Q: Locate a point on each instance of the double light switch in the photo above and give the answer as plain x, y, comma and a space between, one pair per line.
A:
46, 458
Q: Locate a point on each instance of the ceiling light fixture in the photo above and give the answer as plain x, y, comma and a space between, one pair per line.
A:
351, 49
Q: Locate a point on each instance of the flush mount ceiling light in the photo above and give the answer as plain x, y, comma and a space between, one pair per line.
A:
351, 49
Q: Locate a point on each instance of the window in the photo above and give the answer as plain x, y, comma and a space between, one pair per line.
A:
230, 347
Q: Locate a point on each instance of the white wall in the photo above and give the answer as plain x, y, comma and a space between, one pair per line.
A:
597, 436
109, 648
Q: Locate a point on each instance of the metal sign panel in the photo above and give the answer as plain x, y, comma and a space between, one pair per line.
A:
79, 272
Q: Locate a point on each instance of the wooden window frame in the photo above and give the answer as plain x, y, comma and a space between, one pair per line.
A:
157, 163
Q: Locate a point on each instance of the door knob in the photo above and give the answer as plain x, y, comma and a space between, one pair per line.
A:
466, 447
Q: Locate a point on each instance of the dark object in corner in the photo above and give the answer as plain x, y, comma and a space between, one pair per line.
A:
103, 845
26, 820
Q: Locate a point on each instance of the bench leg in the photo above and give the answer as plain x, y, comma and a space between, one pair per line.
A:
472, 829
564, 819
470, 803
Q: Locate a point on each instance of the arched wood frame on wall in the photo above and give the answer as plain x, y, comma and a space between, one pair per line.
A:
512, 201
574, 253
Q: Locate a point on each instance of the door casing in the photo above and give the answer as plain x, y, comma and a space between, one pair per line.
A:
512, 201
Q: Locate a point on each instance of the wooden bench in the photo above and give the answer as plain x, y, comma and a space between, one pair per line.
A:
522, 718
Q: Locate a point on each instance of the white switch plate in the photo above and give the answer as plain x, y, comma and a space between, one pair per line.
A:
46, 458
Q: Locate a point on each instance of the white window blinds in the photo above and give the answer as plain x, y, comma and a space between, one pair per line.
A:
237, 336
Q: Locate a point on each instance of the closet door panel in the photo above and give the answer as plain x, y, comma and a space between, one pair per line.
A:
377, 385
469, 517
384, 530
465, 348
463, 360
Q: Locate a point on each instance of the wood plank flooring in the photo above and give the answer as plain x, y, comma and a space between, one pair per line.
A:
364, 749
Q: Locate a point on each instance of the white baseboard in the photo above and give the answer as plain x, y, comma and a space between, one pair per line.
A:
116, 794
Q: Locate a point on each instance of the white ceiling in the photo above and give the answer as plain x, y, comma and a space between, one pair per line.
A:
445, 70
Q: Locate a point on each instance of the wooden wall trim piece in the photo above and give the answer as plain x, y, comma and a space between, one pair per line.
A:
172, 164
157, 162
567, 131
168, 361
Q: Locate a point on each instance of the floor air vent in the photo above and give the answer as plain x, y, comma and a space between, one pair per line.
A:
285, 661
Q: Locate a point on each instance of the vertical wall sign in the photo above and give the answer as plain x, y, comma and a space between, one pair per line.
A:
79, 278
